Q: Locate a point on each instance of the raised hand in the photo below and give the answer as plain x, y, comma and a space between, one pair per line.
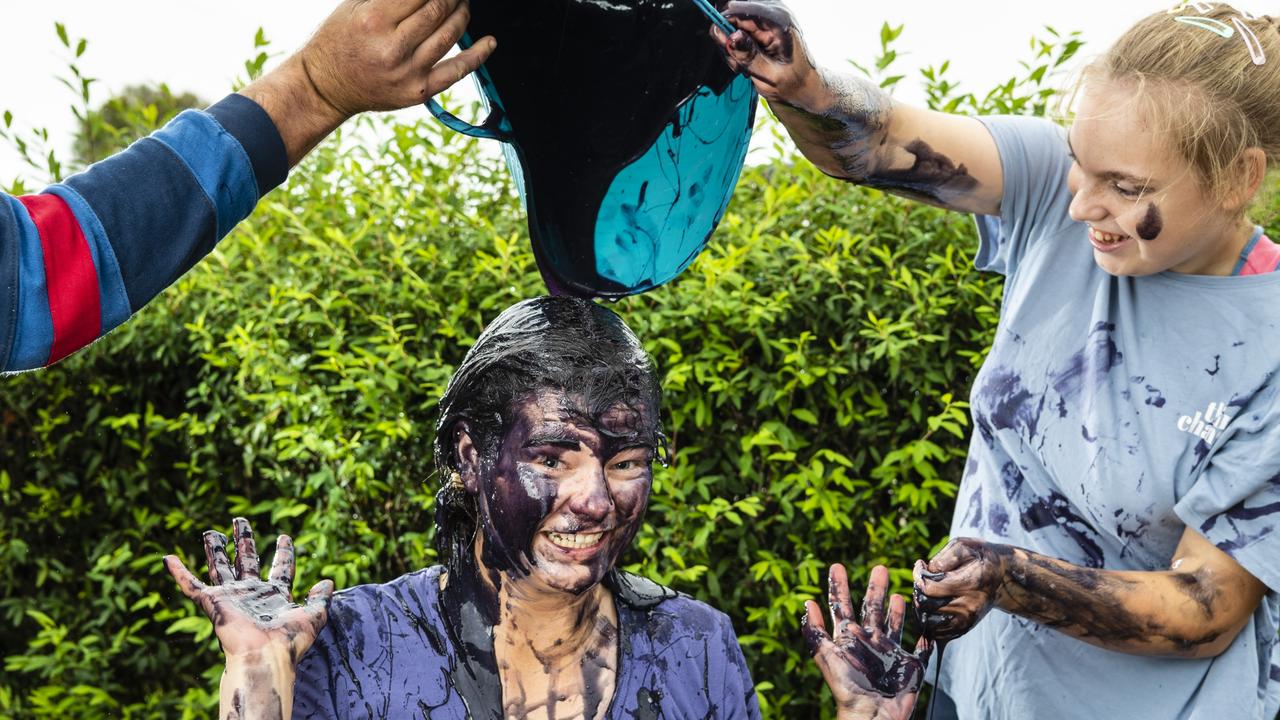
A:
959, 586
367, 55
864, 663
251, 616
769, 49
389, 54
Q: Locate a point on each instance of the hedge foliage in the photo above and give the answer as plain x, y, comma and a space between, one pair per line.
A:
815, 359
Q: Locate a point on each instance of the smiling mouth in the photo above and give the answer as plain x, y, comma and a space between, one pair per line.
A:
575, 541
1105, 238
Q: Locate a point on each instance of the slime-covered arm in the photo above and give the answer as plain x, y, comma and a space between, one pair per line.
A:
851, 129
1194, 609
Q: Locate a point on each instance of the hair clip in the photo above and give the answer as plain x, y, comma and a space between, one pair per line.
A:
1216, 26
1200, 7
1251, 42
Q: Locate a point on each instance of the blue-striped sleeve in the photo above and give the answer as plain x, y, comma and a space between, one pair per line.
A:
165, 202
30, 333
148, 214
114, 300
8, 278
250, 125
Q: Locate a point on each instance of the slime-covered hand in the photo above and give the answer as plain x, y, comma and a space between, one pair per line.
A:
252, 616
870, 675
959, 586
769, 48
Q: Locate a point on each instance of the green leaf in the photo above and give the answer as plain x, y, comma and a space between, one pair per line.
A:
190, 625
805, 416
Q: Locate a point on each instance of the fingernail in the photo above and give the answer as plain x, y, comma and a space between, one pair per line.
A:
932, 575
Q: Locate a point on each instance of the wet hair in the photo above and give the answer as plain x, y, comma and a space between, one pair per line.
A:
1202, 90
563, 344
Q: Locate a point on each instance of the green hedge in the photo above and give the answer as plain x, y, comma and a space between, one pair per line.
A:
814, 361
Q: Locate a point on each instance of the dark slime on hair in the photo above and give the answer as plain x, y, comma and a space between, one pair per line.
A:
1152, 223
577, 123
547, 344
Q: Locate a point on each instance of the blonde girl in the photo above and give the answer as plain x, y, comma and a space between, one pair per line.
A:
1121, 502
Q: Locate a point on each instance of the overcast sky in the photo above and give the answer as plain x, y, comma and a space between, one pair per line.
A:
198, 45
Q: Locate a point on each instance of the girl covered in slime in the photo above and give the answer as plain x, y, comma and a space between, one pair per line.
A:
1121, 501
547, 435
546, 438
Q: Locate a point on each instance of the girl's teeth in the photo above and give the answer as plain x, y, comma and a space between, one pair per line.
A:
1105, 237
576, 540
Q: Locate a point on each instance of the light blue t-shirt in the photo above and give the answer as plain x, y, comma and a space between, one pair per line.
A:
1111, 414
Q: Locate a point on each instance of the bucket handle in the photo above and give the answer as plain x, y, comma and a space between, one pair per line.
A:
493, 127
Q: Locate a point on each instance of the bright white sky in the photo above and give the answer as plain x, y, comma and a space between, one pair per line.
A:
199, 45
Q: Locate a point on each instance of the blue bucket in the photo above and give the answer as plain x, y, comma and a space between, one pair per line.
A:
624, 129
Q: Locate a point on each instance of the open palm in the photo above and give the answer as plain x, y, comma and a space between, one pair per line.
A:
248, 613
864, 664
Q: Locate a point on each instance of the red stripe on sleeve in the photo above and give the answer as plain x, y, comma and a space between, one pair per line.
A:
70, 276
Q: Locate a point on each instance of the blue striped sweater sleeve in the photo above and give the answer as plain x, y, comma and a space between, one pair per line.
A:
146, 214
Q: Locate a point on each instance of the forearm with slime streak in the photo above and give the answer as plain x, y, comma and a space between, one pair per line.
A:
840, 124
1162, 613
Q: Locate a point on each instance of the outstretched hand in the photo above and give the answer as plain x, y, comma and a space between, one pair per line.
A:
864, 664
251, 615
768, 48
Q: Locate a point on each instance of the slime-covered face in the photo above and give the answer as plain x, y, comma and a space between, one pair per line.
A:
567, 492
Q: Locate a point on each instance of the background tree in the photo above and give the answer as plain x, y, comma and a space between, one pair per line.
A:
133, 113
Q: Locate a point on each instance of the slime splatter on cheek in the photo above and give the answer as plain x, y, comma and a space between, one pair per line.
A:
519, 498
1152, 224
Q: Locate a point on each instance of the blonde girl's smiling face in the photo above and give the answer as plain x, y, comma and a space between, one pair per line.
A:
1145, 207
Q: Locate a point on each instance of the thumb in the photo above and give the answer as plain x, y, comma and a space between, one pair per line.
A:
318, 600
947, 559
187, 582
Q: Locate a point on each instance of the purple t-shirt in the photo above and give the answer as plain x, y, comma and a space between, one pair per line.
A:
386, 653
